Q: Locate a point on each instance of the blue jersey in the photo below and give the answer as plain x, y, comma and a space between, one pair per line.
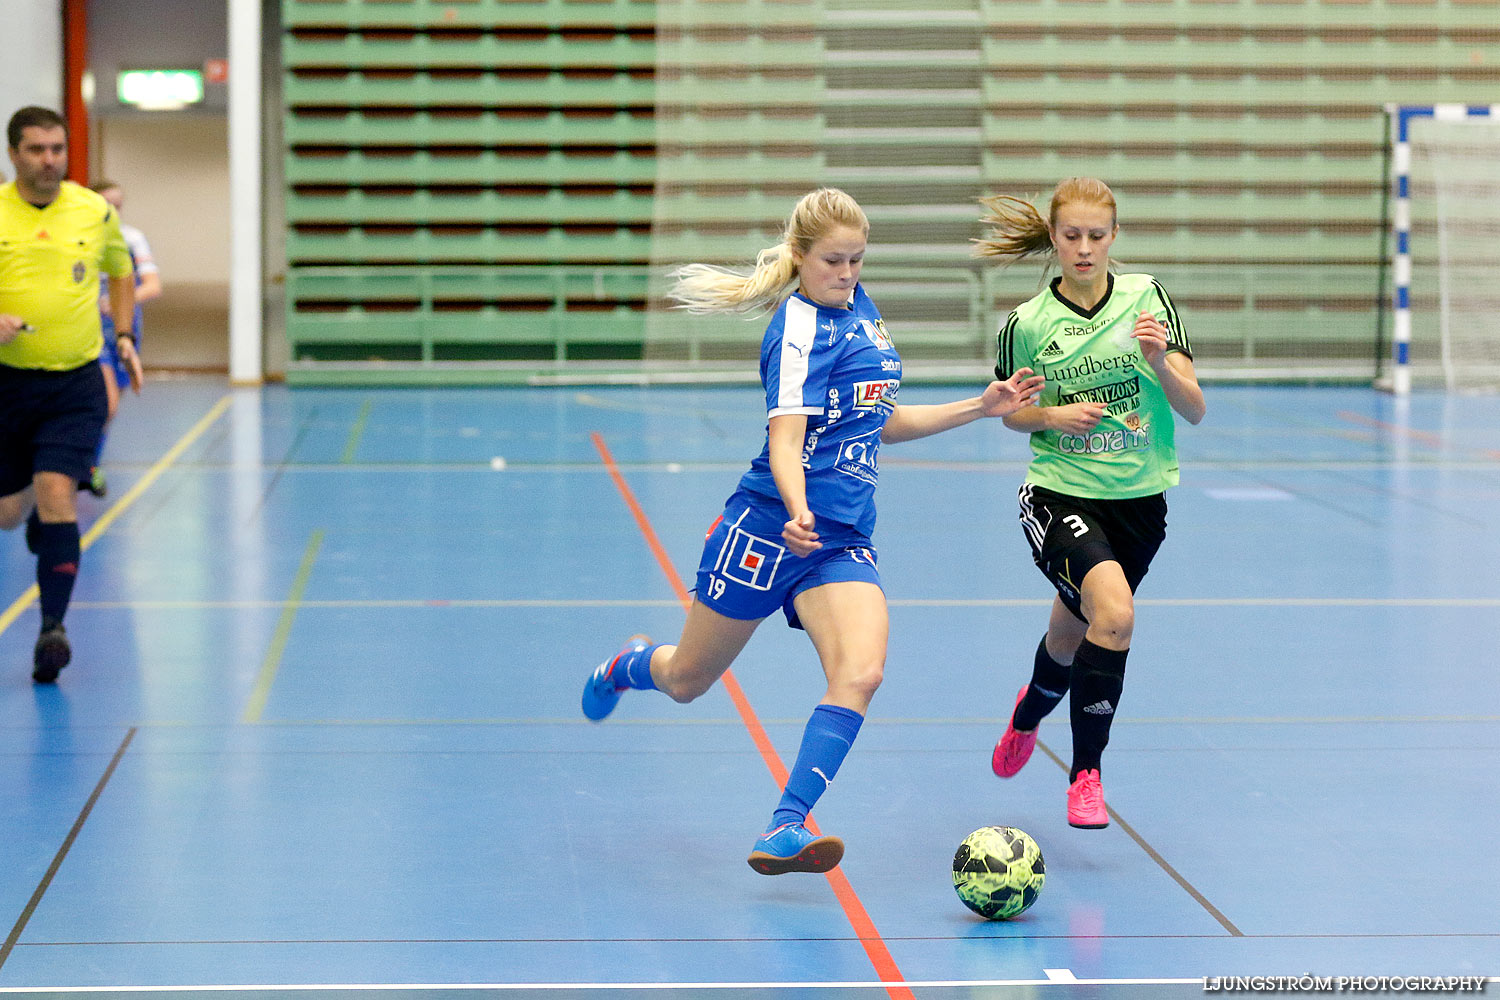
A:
839, 367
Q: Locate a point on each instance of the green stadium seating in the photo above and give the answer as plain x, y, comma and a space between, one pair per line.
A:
472, 184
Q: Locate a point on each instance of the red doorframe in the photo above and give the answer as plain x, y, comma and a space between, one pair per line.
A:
75, 62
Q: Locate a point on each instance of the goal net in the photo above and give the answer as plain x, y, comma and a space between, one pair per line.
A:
1448, 247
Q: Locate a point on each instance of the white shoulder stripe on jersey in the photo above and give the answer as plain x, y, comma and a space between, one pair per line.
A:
797, 335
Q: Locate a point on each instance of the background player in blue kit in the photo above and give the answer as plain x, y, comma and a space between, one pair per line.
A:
1118, 366
147, 287
795, 535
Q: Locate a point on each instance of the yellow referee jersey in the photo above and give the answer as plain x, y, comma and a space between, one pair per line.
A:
50, 259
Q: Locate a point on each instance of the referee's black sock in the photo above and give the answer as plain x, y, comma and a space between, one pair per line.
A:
1098, 678
33, 525
57, 553
1049, 682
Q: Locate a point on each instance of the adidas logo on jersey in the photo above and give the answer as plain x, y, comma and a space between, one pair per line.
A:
1052, 351
1100, 708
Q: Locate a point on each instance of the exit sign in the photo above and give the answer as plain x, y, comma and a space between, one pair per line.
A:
160, 89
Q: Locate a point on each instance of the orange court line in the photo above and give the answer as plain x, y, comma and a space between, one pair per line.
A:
843, 891
1428, 438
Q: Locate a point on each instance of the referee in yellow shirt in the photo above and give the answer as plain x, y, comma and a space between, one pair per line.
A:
56, 237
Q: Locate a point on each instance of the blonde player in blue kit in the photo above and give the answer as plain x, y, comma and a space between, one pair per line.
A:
795, 535
1118, 366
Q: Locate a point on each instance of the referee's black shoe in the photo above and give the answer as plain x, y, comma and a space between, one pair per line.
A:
52, 652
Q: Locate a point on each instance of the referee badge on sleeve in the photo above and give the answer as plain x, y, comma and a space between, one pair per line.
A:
80, 271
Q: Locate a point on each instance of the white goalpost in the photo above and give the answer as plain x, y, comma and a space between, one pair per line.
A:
1446, 224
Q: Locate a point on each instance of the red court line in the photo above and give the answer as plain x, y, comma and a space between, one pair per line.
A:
854, 910
1428, 438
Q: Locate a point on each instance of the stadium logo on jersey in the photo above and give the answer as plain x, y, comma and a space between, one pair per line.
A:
1051, 351
860, 457
872, 394
1079, 331
749, 560
877, 334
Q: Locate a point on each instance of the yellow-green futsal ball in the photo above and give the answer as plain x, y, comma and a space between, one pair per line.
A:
998, 872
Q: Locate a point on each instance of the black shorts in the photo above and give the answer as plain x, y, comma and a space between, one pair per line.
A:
1071, 535
49, 422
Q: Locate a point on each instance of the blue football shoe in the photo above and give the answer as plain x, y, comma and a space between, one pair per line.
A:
600, 693
791, 847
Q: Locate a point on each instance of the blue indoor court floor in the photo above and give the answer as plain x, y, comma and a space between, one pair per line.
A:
321, 735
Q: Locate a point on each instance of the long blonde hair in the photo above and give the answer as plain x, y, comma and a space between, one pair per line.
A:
1017, 229
708, 288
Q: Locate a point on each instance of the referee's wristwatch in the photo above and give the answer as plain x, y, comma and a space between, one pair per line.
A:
130, 336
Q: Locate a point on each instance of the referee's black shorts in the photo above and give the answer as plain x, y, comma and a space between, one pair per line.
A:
1071, 535
49, 422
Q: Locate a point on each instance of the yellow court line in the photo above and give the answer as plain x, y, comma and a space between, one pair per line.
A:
262, 691
351, 447
121, 505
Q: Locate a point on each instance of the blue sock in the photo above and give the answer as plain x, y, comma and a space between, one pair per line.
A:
634, 669
828, 736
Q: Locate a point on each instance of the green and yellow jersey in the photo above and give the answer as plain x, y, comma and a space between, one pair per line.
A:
1090, 356
50, 261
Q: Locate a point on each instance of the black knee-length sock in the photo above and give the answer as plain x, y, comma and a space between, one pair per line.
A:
1098, 677
1049, 682
57, 553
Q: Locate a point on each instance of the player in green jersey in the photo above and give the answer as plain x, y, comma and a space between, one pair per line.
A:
1118, 365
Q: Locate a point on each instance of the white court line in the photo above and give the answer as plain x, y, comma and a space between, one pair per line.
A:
907, 602
1056, 977
408, 987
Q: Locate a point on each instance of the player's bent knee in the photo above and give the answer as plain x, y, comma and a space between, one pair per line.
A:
857, 684
684, 686
682, 693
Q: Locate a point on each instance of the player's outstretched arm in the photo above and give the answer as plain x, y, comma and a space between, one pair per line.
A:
999, 399
1021, 390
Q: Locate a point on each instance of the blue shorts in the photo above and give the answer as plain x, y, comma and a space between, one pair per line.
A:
49, 422
747, 572
109, 355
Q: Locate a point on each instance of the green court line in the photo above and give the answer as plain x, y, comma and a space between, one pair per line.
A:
356, 432
262, 691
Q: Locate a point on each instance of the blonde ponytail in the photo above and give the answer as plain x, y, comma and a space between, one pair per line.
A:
708, 288
1017, 229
